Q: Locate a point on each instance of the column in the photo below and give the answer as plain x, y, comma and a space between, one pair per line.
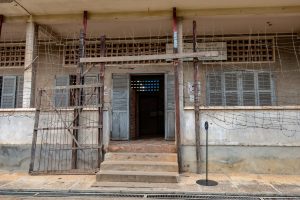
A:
30, 64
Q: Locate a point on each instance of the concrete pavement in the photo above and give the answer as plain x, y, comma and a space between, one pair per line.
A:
235, 184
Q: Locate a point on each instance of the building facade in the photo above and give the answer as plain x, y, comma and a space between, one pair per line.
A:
248, 78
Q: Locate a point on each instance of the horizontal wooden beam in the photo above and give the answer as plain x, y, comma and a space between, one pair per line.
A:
164, 14
149, 57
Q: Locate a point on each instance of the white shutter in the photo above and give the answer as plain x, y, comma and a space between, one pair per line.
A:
264, 89
9, 84
61, 98
249, 94
90, 93
120, 107
231, 89
19, 99
214, 89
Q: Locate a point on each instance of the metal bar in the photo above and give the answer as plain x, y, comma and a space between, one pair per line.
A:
72, 87
176, 79
35, 131
101, 101
79, 148
71, 128
149, 57
84, 107
1, 22
196, 98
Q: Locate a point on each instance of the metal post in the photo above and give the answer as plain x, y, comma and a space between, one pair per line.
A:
1, 22
35, 130
176, 77
101, 101
206, 151
196, 100
206, 181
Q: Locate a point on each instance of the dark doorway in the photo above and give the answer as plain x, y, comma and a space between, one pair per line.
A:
147, 106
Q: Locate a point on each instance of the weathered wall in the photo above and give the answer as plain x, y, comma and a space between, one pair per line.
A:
16, 128
236, 145
233, 146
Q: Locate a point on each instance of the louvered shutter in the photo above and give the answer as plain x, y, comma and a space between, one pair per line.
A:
169, 107
61, 97
215, 90
264, 89
20, 84
249, 94
120, 107
231, 89
90, 93
9, 84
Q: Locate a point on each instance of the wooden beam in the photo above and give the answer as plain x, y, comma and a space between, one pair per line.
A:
1, 22
164, 14
149, 57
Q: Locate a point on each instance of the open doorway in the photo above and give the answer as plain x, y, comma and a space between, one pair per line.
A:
147, 118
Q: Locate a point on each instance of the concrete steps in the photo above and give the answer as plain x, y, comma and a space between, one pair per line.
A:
139, 167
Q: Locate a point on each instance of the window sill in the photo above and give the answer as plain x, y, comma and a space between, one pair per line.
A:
17, 109
244, 108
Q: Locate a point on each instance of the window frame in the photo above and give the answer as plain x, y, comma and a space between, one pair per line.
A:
18, 91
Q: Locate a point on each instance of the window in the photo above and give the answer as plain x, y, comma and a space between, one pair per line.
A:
12, 56
11, 91
240, 89
66, 97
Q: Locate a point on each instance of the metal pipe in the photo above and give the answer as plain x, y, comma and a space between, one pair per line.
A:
176, 79
196, 98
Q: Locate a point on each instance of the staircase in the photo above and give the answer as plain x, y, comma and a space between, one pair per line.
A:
139, 164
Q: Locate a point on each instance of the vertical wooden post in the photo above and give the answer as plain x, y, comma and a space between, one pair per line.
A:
35, 130
196, 99
79, 92
101, 101
176, 79
1, 22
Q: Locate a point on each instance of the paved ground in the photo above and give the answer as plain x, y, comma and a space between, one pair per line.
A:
237, 184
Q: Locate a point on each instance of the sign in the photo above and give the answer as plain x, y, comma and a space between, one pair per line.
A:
220, 47
190, 89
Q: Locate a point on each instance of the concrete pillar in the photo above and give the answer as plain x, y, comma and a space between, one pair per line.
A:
30, 64
180, 74
180, 80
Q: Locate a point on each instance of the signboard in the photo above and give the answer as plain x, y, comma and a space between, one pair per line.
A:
220, 47
190, 89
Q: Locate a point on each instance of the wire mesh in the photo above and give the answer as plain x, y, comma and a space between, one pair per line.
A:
67, 132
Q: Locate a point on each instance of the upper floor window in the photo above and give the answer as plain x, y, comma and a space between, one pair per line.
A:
240, 89
12, 56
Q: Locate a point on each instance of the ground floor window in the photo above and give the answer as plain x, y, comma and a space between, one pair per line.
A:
11, 91
240, 88
66, 97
